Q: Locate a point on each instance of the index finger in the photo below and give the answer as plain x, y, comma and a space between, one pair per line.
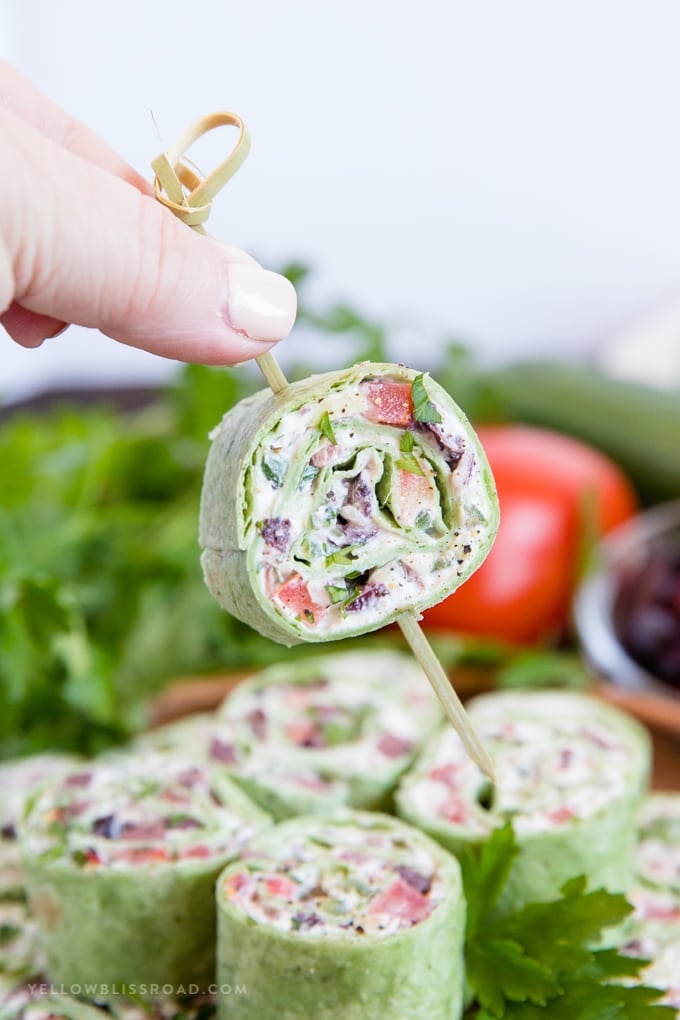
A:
21, 97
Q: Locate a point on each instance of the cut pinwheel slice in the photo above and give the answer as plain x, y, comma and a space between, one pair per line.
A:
355, 915
340, 729
571, 774
19, 780
346, 500
654, 930
658, 849
121, 859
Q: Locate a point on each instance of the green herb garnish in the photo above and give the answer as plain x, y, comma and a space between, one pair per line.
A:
8, 932
423, 408
273, 469
336, 593
539, 961
407, 442
409, 463
342, 557
309, 474
326, 429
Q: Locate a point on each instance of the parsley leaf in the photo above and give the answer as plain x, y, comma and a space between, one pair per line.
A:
273, 468
326, 428
409, 463
407, 442
423, 408
309, 473
539, 960
484, 876
500, 970
8, 932
342, 557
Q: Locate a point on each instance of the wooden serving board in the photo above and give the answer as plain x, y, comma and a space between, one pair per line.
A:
660, 715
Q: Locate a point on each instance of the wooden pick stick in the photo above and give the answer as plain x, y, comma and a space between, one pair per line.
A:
449, 700
188, 195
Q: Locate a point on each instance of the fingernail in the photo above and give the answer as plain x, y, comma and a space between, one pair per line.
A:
259, 304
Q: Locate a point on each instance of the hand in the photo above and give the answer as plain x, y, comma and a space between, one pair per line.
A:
83, 240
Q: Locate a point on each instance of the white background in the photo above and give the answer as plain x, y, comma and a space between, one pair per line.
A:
504, 171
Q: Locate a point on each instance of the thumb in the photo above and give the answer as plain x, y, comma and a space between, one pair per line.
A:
78, 244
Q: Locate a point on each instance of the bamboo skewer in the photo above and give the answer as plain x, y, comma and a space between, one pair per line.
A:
453, 707
182, 189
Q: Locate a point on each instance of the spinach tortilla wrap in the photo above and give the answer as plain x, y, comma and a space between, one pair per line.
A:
23, 1004
354, 915
571, 774
654, 931
19, 779
121, 859
331, 730
338, 504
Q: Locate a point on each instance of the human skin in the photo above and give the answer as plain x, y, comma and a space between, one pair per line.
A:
82, 240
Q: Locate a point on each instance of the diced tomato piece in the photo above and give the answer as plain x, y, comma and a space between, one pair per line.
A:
143, 830
329, 453
447, 774
388, 402
279, 885
560, 815
312, 782
236, 883
145, 854
414, 495
198, 850
174, 796
294, 595
304, 734
402, 901
394, 747
652, 910
92, 859
455, 811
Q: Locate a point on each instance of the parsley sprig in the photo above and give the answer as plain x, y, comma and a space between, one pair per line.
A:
423, 408
541, 960
326, 428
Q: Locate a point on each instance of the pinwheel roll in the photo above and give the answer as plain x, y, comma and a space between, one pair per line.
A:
654, 930
352, 915
330, 509
571, 773
657, 859
19, 779
338, 729
121, 860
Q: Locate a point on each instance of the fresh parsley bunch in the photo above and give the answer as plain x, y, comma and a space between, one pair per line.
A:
542, 960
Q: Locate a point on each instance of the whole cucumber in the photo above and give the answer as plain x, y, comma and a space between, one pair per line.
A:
636, 425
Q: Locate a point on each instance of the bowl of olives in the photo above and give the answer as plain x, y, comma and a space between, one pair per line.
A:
627, 607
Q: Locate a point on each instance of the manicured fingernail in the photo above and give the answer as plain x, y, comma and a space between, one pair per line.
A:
260, 304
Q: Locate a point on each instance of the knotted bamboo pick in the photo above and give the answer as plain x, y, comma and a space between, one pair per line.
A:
182, 189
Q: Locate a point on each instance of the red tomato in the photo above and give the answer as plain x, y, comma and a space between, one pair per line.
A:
388, 402
554, 491
294, 594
